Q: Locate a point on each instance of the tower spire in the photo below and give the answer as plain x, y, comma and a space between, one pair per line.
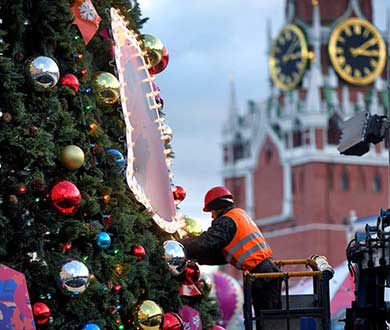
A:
313, 102
316, 32
290, 11
233, 109
268, 31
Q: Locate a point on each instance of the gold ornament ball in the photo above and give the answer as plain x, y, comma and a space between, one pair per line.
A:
72, 157
149, 315
193, 228
154, 49
106, 87
205, 284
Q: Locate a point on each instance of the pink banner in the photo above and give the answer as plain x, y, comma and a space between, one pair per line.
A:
147, 171
15, 308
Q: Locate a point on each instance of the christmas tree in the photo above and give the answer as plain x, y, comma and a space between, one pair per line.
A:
90, 251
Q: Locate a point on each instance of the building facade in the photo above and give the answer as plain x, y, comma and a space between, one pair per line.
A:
280, 157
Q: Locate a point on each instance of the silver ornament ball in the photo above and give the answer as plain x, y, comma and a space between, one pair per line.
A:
132, 4
74, 277
174, 256
44, 72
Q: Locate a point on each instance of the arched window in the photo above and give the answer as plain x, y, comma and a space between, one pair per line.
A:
297, 133
334, 129
377, 182
344, 183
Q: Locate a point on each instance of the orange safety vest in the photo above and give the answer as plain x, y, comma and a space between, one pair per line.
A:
248, 247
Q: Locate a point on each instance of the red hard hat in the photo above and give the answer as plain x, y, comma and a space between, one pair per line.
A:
215, 193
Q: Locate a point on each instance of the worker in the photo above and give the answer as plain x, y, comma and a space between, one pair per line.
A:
234, 238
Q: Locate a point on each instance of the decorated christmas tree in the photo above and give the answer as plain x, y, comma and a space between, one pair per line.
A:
86, 190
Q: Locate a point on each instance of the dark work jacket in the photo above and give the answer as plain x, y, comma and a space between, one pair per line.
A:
207, 249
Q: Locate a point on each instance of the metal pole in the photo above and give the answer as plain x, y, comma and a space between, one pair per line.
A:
248, 318
388, 105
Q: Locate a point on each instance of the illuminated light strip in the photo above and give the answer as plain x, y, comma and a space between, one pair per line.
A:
121, 32
154, 107
144, 67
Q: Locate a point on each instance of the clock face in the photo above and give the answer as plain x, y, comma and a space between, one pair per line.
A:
288, 57
357, 51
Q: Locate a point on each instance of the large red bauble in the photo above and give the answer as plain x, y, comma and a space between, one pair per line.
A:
162, 64
71, 81
138, 251
172, 321
65, 197
41, 312
179, 194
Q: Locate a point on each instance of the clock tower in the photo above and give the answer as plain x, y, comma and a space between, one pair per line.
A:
280, 157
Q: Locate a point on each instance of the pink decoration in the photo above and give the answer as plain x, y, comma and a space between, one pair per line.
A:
229, 296
147, 172
191, 318
15, 307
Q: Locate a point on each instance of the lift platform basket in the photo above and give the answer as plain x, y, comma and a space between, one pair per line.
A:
299, 311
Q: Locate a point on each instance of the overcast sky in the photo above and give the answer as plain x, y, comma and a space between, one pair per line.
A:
209, 41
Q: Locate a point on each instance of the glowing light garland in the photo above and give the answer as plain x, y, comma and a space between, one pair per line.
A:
138, 102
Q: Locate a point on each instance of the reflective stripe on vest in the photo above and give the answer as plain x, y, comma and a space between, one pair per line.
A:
258, 247
241, 243
248, 247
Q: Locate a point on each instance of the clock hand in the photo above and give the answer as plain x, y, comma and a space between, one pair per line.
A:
290, 48
292, 56
363, 47
373, 52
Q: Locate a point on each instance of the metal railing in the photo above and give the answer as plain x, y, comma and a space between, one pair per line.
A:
316, 305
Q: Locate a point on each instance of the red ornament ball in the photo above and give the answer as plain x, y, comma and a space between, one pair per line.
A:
191, 273
65, 197
172, 321
162, 64
139, 252
41, 313
179, 194
218, 327
71, 81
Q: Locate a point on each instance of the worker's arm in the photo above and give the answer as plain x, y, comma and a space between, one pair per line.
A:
207, 249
